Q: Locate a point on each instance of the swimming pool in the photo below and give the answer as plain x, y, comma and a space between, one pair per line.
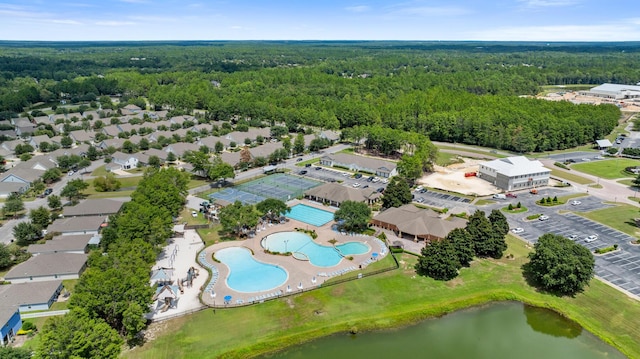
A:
247, 274
318, 255
311, 215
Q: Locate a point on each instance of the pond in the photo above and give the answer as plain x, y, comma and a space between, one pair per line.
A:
500, 330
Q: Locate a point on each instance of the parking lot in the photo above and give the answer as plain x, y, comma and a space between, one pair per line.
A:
620, 267
577, 157
331, 175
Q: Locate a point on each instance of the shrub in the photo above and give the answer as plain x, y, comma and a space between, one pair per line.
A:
510, 207
519, 205
561, 165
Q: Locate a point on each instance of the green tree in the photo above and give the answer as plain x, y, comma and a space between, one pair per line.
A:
438, 260
40, 217
14, 353
463, 245
286, 144
410, 167
13, 204
154, 161
51, 175
499, 222
129, 147
298, 144
238, 219
107, 183
272, 208
220, 170
73, 189
218, 147
487, 243
77, 335
5, 257
353, 216
53, 201
171, 157
397, 193
66, 142
559, 265
92, 153
636, 181
25, 233
83, 164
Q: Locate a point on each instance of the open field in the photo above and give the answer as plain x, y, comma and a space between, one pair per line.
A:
619, 217
609, 169
251, 331
570, 176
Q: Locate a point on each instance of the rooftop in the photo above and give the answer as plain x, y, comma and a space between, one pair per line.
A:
47, 264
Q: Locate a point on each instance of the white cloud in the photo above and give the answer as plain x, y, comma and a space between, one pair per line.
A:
625, 31
547, 3
66, 22
360, 8
115, 23
431, 11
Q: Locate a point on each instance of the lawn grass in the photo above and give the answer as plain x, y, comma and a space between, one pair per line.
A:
609, 169
626, 182
196, 182
483, 154
570, 176
210, 236
571, 196
444, 159
311, 162
100, 171
391, 299
185, 216
515, 210
619, 217
482, 202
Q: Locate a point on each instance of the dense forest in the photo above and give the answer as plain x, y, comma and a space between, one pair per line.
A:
467, 92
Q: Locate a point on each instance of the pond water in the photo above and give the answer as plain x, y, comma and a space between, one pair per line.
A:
500, 330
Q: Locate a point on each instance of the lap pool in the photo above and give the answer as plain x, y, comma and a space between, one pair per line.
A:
311, 215
303, 247
247, 274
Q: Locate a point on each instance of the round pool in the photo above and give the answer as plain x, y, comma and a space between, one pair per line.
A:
318, 255
247, 274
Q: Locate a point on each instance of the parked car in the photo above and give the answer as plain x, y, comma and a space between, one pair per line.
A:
512, 195
591, 238
543, 218
424, 190
366, 186
380, 190
194, 214
303, 172
308, 165
499, 196
517, 230
356, 185
299, 159
318, 168
575, 203
358, 175
420, 200
419, 188
573, 237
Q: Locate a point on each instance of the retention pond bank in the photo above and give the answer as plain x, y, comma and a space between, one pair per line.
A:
500, 330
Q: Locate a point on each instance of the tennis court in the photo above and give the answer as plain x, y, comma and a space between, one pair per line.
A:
280, 186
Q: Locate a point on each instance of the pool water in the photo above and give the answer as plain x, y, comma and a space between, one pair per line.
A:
247, 274
318, 255
310, 215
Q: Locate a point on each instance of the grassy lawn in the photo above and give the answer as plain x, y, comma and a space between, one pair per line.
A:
390, 299
619, 217
185, 216
571, 196
100, 171
626, 182
482, 202
483, 154
445, 159
311, 161
515, 210
196, 182
609, 169
210, 235
570, 176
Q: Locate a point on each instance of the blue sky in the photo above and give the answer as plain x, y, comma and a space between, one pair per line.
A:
535, 20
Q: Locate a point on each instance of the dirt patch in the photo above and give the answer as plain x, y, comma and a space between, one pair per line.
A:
338, 290
452, 178
455, 282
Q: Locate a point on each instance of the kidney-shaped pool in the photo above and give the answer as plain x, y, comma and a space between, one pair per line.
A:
247, 274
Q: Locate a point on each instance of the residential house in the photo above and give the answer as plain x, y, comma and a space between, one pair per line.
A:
11, 145
180, 148
80, 136
111, 130
94, 207
62, 244
330, 135
35, 141
48, 267
162, 155
376, 166
112, 142
78, 225
10, 323
126, 161
29, 297
210, 142
43, 120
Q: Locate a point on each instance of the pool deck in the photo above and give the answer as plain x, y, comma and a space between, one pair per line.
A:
301, 273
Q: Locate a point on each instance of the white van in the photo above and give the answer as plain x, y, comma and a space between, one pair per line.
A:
499, 196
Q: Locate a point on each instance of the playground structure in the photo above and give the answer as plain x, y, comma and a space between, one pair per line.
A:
192, 273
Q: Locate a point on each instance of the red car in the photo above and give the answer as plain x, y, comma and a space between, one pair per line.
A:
512, 195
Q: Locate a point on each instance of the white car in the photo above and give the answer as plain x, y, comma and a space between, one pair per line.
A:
573, 237
543, 218
418, 188
194, 214
591, 238
356, 185
575, 203
517, 230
